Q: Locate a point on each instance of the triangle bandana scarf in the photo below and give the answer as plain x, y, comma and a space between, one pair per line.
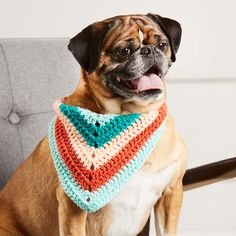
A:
95, 155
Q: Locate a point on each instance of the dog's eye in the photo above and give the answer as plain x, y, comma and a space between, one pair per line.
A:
162, 46
124, 51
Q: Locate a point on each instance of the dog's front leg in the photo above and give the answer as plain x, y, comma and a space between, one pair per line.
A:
167, 211
72, 219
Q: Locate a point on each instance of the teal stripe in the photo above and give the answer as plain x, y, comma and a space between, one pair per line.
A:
104, 194
97, 136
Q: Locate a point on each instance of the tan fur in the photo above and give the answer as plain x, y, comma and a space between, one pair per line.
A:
33, 202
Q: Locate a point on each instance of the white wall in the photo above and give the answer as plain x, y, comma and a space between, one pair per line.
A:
209, 34
201, 85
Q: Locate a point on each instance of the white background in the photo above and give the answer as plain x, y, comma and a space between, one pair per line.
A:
201, 84
209, 35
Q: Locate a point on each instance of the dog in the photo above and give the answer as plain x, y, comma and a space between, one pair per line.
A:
124, 61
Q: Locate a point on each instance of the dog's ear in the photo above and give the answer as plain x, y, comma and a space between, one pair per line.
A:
172, 29
86, 46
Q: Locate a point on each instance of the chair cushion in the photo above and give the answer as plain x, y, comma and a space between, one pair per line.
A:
33, 74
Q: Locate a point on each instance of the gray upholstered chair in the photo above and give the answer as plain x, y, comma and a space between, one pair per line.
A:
33, 74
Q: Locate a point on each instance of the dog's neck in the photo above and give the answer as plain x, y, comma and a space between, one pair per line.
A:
92, 95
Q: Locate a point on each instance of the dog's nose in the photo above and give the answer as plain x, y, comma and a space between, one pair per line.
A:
147, 50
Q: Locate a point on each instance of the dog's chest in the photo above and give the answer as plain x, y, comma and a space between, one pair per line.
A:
131, 205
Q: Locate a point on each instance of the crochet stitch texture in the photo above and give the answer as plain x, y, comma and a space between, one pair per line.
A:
95, 155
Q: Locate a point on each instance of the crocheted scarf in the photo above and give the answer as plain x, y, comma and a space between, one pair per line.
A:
95, 155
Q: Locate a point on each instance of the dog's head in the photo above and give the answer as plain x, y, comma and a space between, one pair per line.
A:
129, 56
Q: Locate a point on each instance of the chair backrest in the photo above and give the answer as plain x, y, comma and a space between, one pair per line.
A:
33, 74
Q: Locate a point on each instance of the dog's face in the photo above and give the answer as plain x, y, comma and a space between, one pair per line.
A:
129, 56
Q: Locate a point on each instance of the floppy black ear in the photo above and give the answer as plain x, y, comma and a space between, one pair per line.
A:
172, 29
86, 46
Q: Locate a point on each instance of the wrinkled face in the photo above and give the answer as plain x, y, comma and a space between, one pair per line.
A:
137, 59
131, 54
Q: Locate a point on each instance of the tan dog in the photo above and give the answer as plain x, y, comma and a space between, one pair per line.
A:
114, 55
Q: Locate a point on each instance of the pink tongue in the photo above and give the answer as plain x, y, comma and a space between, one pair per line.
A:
147, 82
